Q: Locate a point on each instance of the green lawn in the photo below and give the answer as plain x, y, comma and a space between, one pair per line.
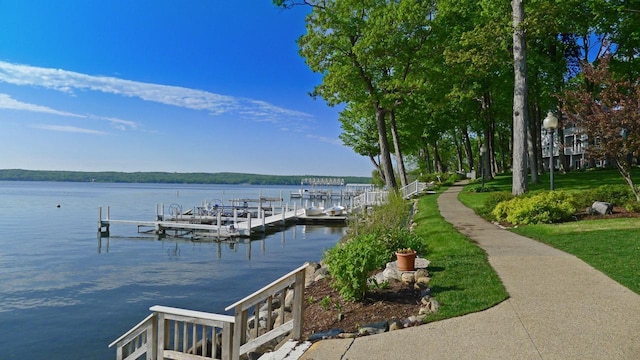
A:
462, 279
609, 245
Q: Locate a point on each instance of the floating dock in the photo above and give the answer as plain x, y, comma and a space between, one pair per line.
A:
241, 220
222, 227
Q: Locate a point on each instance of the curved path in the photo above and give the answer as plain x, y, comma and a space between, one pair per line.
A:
559, 308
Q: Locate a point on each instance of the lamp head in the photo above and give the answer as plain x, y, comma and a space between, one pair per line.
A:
550, 122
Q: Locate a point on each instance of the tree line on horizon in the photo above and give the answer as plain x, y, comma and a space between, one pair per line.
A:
164, 177
425, 86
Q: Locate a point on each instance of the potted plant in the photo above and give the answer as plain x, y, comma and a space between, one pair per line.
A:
406, 259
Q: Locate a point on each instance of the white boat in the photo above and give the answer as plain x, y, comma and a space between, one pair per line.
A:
334, 210
313, 211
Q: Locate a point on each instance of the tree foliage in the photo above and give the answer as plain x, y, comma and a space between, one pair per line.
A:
445, 71
607, 108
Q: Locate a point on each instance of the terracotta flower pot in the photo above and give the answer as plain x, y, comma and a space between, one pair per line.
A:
406, 261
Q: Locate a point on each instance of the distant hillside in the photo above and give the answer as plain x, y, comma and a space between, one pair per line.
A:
164, 177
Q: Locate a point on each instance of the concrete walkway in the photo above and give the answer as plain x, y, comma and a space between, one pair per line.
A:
560, 308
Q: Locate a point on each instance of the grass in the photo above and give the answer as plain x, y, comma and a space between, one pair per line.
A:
462, 279
609, 245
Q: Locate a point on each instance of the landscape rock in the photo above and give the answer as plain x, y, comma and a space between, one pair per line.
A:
407, 278
410, 321
395, 325
420, 273
374, 328
288, 300
422, 283
325, 334
347, 336
602, 208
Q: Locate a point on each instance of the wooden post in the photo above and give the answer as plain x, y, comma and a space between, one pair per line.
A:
162, 336
249, 224
298, 294
227, 344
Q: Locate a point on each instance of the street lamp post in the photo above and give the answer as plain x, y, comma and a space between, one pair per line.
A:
550, 123
483, 150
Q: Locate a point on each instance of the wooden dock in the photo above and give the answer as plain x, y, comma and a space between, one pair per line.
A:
223, 227
242, 221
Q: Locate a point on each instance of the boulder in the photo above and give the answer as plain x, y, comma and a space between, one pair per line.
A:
602, 208
395, 325
288, 300
374, 328
422, 283
407, 278
420, 273
325, 334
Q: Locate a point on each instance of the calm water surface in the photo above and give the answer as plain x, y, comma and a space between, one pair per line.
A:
65, 294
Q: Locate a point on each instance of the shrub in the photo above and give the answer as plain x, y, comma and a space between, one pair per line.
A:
547, 207
614, 194
370, 243
403, 238
492, 201
633, 206
351, 262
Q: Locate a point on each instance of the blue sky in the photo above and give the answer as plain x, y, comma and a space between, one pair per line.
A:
159, 85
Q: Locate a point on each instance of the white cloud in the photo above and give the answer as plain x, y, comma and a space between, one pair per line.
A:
332, 141
7, 102
71, 129
215, 104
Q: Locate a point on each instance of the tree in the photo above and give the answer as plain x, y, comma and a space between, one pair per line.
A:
359, 132
609, 114
520, 111
368, 53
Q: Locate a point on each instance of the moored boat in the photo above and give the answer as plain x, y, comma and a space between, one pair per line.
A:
334, 210
313, 211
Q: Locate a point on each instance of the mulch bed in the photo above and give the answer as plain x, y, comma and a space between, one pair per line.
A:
397, 301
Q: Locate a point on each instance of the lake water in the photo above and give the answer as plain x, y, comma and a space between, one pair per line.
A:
65, 294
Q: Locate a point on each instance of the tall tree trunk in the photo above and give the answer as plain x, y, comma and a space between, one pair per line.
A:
504, 150
565, 161
427, 158
532, 139
486, 158
467, 148
437, 162
385, 155
396, 144
456, 141
519, 184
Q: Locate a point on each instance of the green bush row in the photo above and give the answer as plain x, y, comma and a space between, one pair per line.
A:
547, 207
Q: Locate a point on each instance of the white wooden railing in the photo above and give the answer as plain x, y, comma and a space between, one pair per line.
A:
368, 198
171, 333
415, 188
243, 342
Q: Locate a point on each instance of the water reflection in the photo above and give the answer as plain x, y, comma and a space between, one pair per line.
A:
290, 233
